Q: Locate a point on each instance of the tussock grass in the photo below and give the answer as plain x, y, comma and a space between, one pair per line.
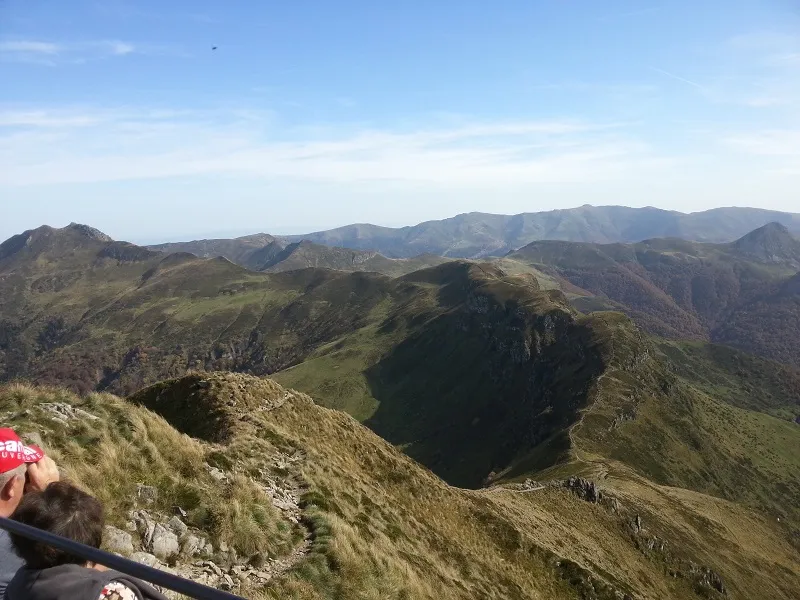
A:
383, 527
128, 446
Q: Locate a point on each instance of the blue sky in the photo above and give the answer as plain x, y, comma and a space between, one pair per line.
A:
314, 114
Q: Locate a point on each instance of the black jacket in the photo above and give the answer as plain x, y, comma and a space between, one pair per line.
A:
72, 582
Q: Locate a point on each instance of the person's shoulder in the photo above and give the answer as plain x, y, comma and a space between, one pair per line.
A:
116, 590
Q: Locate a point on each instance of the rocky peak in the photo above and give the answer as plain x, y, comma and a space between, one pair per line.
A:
88, 232
46, 238
772, 243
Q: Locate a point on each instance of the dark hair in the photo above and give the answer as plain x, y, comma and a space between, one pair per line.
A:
64, 510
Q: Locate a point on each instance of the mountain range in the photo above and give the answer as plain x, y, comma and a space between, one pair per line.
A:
514, 406
479, 235
729, 292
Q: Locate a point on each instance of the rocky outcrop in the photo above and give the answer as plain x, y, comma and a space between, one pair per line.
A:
170, 545
584, 489
64, 412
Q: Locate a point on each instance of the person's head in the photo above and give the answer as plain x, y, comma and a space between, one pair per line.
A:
14, 460
61, 509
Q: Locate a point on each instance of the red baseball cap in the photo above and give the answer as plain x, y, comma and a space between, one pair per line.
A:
14, 453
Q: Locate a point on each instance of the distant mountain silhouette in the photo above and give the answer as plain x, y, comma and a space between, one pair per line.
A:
479, 235
476, 235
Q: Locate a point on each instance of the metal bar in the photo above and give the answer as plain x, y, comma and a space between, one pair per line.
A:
123, 565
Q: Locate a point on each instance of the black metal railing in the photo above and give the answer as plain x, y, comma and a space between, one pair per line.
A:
168, 581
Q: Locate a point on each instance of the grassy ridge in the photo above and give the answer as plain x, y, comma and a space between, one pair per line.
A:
383, 527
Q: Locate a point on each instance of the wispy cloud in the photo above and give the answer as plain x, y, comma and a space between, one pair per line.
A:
30, 51
89, 146
25, 46
54, 53
121, 48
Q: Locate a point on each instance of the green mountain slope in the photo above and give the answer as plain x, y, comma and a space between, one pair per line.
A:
326, 509
99, 314
677, 289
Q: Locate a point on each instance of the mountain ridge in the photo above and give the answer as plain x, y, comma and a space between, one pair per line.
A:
481, 235
495, 235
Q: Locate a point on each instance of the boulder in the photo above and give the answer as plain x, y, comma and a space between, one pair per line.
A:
116, 540
164, 543
177, 526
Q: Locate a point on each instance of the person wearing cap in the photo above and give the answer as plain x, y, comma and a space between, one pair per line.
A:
22, 468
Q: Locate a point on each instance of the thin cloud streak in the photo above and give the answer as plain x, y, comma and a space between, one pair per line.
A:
678, 78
